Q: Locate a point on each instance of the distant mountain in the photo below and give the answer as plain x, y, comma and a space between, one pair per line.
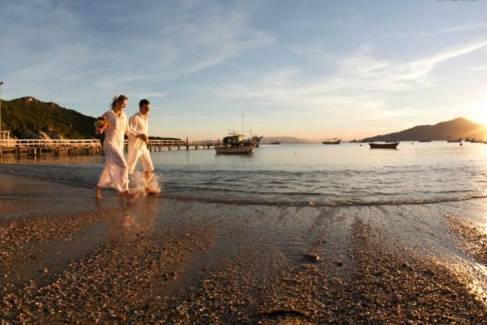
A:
28, 117
283, 140
454, 129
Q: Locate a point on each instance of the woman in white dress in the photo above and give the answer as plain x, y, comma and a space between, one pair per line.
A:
115, 171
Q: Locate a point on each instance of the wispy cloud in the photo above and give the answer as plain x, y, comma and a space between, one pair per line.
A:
152, 95
360, 87
456, 29
53, 49
358, 73
479, 68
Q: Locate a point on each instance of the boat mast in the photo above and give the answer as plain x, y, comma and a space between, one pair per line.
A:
242, 124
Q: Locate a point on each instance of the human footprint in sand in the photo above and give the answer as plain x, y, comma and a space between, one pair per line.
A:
137, 149
115, 126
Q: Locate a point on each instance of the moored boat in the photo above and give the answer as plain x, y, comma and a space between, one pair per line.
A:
388, 145
235, 144
332, 141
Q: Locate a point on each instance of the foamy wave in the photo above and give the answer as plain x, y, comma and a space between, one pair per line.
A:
349, 203
143, 185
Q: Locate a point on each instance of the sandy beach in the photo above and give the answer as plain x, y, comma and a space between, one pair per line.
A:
67, 258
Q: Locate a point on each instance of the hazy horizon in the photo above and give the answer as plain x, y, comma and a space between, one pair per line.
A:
310, 70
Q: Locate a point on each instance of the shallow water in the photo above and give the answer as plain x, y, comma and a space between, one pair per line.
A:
296, 175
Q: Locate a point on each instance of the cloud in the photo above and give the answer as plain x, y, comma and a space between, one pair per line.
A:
57, 51
456, 29
358, 83
479, 68
423, 66
446, 31
152, 95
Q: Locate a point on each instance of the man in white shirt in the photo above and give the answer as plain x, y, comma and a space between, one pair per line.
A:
137, 148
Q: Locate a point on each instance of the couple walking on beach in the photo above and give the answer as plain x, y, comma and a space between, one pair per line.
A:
116, 171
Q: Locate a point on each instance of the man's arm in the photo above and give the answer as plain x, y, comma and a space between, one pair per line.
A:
134, 127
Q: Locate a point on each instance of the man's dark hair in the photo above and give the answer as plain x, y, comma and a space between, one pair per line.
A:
143, 102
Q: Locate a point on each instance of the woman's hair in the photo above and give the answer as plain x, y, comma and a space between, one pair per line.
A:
118, 99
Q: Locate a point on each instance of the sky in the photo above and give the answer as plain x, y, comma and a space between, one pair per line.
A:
310, 69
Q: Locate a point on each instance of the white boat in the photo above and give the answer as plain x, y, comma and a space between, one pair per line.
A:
235, 144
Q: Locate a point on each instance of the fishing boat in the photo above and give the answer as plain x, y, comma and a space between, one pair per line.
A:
388, 145
275, 142
235, 144
332, 141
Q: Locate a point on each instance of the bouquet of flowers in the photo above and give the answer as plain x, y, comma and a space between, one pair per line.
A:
101, 124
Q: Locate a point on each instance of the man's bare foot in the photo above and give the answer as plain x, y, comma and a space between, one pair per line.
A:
128, 194
98, 193
148, 191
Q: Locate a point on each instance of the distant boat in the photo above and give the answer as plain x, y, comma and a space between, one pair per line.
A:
454, 141
235, 144
332, 141
388, 145
275, 142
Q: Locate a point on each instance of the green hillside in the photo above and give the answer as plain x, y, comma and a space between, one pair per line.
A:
28, 117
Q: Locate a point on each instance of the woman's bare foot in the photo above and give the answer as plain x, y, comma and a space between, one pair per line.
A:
98, 193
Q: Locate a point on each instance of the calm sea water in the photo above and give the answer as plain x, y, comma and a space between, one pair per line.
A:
314, 174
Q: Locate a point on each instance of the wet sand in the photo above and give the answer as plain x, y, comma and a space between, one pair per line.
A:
66, 258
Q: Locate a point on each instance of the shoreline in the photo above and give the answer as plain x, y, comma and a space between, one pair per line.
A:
49, 174
191, 262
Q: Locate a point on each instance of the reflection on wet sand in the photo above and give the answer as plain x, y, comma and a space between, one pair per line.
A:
134, 219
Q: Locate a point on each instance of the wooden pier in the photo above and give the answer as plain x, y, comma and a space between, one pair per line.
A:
60, 147
168, 145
